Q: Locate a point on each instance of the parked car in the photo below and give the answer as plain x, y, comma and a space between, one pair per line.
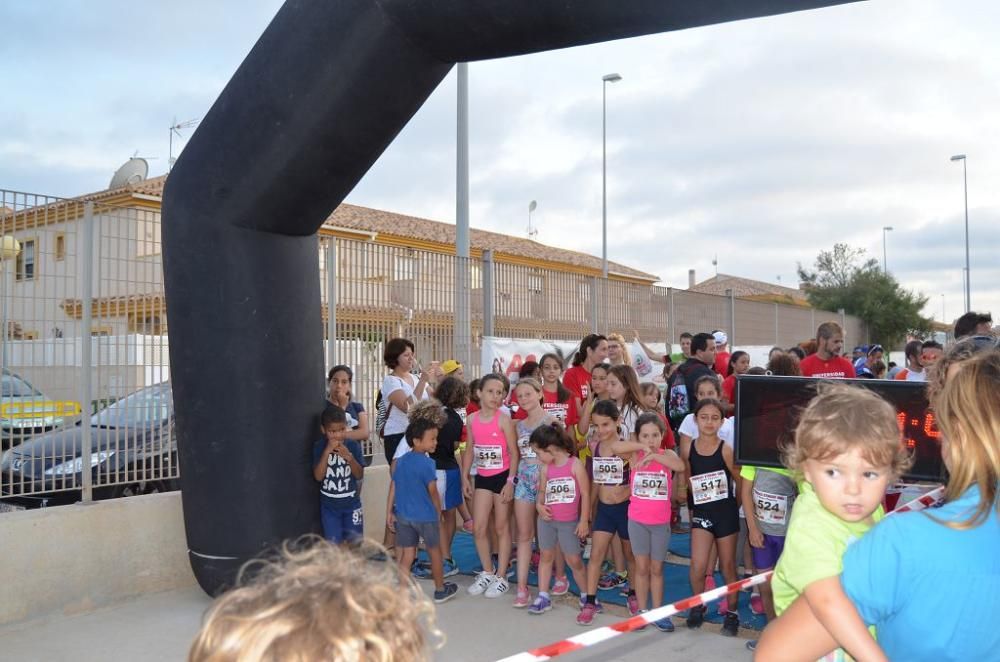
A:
133, 446
25, 411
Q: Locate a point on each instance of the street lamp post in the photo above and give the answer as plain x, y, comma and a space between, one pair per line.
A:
608, 78
885, 262
968, 273
9, 250
531, 207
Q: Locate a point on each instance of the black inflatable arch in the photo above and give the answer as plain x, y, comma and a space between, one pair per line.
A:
320, 96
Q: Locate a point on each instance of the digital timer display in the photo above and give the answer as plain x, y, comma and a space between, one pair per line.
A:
768, 408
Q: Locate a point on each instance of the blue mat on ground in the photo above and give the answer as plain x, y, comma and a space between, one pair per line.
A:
675, 580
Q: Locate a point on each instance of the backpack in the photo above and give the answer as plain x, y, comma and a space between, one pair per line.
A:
677, 404
382, 414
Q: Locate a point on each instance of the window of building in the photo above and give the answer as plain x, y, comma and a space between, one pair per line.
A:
30, 335
405, 268
101, 331
60, 246
536, 284
149, 325
25, 269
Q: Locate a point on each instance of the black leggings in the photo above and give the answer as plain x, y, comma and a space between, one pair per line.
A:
391, 443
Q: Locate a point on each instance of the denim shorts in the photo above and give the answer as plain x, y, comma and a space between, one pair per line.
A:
408, 534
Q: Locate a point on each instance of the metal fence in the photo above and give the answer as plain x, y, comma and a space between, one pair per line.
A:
82, 334
84, 326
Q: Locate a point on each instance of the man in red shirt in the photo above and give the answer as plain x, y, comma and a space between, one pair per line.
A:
827, 362
721, 352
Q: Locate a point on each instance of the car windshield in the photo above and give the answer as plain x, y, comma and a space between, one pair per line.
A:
148, 407
15, 387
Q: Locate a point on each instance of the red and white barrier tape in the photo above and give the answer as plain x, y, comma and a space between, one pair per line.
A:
597, 635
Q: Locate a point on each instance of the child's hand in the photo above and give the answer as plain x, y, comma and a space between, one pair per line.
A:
467, 490
756, 537
582, 529
391, 522
342, 450
644, 461
507, 493
544, 512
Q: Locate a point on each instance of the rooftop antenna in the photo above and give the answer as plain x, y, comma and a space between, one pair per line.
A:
175, 128
532, 232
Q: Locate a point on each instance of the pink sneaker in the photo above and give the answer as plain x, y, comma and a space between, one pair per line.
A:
756, 604
709, 582
523, 598
468, 525
560, 586
633, 604
723, 607
586, 615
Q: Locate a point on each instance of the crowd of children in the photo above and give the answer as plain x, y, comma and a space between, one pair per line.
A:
583, 463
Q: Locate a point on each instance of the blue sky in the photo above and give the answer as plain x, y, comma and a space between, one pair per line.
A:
762, 142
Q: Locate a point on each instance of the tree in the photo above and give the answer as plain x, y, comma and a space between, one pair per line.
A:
864, 290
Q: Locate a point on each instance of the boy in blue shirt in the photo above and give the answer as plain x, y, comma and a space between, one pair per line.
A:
414, 492
338, 465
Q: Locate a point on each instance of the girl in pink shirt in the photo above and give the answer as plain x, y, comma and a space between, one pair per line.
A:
563, 485
649, 509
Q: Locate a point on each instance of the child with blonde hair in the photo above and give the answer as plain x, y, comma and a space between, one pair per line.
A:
318, 601
848, 449
927, 606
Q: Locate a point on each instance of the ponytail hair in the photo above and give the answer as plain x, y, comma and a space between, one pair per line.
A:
552, 434
607, 408
589, 342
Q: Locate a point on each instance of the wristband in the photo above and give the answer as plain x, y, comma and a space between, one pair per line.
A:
512, 480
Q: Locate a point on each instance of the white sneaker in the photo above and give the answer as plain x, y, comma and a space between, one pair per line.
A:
497, 588
483, 581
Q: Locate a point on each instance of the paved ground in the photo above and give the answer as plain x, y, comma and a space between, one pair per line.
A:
161, 626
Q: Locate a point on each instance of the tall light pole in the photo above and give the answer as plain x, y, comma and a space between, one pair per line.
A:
609, 78
968, 274
944, 315
885, 262
531, 207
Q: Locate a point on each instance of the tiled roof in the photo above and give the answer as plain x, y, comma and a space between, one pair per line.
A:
411, 227
746, 287
400, 225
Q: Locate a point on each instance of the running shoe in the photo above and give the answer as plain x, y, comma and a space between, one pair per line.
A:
752, 645
512, 569
611, 580
497, 588
523, 598
468, 525
448, 591
482, 582
420, 571
536, 557
731, 624
756, 604
449, 567
633, 604
560, 586
664, 624
586, 615
696, 616
597, 603
723, 608
709, 582
624, 589
541, 605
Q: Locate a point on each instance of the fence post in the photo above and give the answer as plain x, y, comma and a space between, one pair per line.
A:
732, 317
331, 301
671, 328
462, 338
86, 342
776, 328
593, 304
488, 298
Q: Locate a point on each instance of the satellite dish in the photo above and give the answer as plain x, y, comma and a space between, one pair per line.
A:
132, 172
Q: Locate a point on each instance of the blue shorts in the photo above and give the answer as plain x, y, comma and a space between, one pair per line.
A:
342, 525
612, 518
449, 486
527, 482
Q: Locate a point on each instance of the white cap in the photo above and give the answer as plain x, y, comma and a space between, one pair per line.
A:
720, 337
